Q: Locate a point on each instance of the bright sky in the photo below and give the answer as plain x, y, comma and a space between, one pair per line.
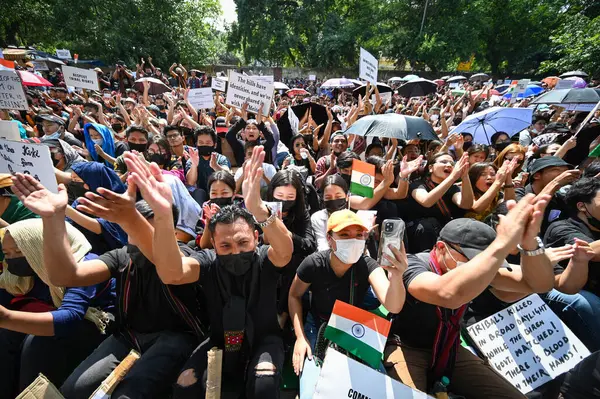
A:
229, 14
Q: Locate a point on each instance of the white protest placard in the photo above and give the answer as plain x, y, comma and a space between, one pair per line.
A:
63, 54
80, 78
385, 97
312, 77
30, 159
9, 130
453, 85
248, 89
39, 65
368, 66
265, 79
564, 84
519, 89
201, 98
528, 344
218, 84
580, 107
342, 377
12, 95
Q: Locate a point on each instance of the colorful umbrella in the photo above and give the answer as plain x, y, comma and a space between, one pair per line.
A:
531, 90
579, 83
484, 124
31, 79
338, 83
551, 81
439, 82
485, 94
297, 92
408, 78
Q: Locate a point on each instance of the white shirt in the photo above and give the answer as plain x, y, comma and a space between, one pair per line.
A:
268, 170
319, 225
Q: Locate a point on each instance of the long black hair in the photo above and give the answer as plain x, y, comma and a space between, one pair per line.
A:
290, 177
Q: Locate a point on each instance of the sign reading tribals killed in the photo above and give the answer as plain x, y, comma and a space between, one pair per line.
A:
368, 66
12, 95
80, 78
342, 377
528, 344
248, 89
30, 159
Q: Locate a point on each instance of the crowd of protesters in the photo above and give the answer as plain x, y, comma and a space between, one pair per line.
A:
164, 237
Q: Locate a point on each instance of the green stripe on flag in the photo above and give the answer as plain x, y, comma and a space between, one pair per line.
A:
595, 152
355, 346
359, 189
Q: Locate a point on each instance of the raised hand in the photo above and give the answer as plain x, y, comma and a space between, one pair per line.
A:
461, 169
251, 183
388, 173
407, 168
193, 156
111, 206
511, 228
213, 162
259, 114
244, 114
37, 198
533, 226
149, 179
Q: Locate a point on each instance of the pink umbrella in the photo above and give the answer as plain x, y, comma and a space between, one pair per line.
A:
297, 92
439, 82
31, 79
579, 82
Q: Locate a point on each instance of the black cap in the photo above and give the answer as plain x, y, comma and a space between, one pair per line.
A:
471, 235
539, 164
51, 118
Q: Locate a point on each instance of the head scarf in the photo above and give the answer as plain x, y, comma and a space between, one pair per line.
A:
108, 143
5, 184
189, 210
28, 235
71, 156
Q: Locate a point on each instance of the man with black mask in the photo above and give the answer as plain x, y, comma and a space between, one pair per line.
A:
326, 165
239, 280
203, 161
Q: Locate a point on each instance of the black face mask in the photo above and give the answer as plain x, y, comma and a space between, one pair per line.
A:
117, 127
138, 147
592, 221
161, 107
237, 264
136, 255
346, 178
159, 159
77, 189
19, 267
205, 150
287, 205
221, 202
336, 204
502, 145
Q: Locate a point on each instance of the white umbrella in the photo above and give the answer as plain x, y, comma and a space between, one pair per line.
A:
280, 86
484, 124
456, 79
395, 79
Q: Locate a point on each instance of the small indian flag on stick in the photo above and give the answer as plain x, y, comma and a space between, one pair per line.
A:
363, 179
359, 332
595, 152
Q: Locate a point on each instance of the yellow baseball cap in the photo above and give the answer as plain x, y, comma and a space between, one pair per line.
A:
339, 220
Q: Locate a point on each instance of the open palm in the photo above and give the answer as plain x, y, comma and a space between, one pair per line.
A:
37, 198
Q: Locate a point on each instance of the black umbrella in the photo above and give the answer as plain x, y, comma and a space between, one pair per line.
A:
362, 90
480, 77
456, 79
156, 86
578, 74
569, 96
417, 88
393, 126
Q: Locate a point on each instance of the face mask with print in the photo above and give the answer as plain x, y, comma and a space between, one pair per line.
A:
349, 251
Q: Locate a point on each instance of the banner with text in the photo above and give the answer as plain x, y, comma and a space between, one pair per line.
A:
12, 95
30, 159
528, 344
9, 130
248, 89
342, 377
218, 84
368, 66
80, 78
63, 54
519, 90
201, 98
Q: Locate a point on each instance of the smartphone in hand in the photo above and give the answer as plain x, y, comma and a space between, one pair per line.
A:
392, 233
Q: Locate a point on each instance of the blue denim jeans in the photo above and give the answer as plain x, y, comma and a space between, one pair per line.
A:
580, 312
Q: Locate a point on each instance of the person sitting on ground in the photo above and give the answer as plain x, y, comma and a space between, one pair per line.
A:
251, 130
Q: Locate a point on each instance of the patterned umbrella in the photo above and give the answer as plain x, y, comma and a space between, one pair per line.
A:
31, 79
338, 83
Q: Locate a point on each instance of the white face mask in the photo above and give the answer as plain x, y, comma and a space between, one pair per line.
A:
349, 251
434, 117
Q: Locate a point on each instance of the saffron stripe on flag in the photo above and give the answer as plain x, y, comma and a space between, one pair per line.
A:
363, 167
365, 334
368, 319
355, 346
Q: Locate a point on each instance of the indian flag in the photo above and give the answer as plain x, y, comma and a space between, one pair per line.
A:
362, 181
359, 332
595, 152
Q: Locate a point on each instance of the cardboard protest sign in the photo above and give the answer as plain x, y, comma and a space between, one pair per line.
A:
9, 130
218, 84
30, 159
385, 97
368, 66
12, 95
342, 377
80, 78
63, 54
519, 89
265, 79
39, 65
312, 77
248, 89
528, 344
201, 98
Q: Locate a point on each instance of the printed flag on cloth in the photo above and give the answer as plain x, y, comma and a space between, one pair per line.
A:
359, 332
362, 181
595, 152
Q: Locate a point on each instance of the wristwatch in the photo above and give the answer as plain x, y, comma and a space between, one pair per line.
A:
270, 219
538, 251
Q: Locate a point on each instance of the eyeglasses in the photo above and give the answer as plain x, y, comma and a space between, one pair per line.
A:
173, 136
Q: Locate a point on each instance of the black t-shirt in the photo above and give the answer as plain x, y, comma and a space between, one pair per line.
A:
564, 232
556, 210
417, 323
326, 286
120, 148
148, 309
409, 209
263, 313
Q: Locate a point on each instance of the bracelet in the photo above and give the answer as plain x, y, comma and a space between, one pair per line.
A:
406, 179
509, 186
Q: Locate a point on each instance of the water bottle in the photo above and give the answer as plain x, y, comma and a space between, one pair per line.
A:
440, 388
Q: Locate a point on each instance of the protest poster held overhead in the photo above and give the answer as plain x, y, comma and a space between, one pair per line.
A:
218, 84
368, 66
12, 95
248, 89
63, 54
80, 78
30, 159
9, 130
201, 98
528, 344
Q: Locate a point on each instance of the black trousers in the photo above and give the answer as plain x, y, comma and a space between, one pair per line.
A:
23, 357
258, 384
